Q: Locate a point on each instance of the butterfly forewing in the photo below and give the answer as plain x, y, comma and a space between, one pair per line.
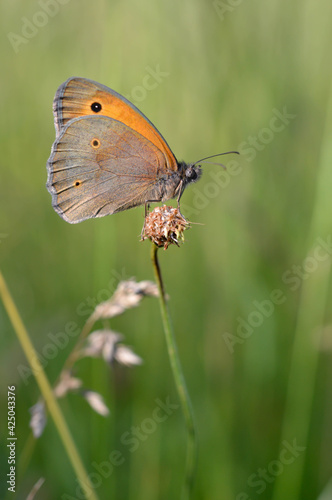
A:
78, 97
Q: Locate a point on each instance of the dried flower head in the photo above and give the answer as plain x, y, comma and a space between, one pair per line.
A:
164, 226
36, 487
38, 418
125, 356
105, 344
128, 294
67, 383
96, 402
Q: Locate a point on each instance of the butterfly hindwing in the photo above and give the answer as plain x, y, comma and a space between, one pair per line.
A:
99, 166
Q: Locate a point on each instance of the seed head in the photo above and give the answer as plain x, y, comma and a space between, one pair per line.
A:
164, 226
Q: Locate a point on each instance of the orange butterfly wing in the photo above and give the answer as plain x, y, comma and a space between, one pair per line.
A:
75, 98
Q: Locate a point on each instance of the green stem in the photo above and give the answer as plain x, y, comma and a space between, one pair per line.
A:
46, 390
179, 380
75, 352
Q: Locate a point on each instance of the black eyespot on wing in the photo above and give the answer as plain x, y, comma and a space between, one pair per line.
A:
96, 107
77, 183
95, 143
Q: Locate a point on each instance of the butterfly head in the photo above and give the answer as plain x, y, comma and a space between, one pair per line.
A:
190, 173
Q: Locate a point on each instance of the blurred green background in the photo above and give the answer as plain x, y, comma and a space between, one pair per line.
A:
254, 76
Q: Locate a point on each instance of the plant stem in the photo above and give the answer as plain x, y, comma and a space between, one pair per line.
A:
75, 352
179, 380
46, 390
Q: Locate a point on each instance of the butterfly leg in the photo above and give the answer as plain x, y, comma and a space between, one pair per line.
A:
146, 211
181, 189
146, 208
147, 205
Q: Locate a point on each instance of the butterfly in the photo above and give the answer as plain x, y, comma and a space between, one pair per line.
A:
107, 156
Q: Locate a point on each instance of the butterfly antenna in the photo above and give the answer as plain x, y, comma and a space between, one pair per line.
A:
216, 163
214, 156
